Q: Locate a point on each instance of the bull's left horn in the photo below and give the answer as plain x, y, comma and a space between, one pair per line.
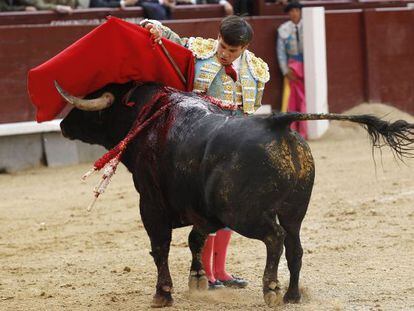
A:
96, 104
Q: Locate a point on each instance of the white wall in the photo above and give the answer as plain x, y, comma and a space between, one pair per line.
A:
316, 82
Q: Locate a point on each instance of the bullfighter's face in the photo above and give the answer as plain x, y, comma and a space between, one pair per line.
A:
226, 53
295, 15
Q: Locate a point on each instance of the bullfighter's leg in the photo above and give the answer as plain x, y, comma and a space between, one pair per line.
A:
293, 254
197, 279
274, 247
159, 232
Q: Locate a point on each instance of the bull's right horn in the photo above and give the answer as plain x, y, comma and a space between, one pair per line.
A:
96, 104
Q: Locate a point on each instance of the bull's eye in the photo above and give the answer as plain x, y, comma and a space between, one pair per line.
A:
96, 118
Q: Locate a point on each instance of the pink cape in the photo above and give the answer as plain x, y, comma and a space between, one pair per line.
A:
297, 101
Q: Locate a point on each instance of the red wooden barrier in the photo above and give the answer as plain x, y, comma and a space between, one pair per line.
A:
345, 44
390, 55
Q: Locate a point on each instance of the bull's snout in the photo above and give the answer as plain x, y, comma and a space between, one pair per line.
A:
64, 131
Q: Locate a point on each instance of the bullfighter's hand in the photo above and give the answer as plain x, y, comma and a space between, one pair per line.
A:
30, 9
156, 33
291, 75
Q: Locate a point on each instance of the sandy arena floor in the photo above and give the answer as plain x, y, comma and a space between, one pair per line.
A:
358, 240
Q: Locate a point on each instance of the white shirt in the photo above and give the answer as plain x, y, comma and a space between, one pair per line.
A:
236, 64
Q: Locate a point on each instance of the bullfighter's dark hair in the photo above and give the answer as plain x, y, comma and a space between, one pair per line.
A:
236, 31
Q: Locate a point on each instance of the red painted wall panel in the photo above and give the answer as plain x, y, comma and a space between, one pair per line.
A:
22, 48
390, 56
345, 60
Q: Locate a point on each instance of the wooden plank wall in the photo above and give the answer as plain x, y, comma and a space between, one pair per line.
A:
370, 58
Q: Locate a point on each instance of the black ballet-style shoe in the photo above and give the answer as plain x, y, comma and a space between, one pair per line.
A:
215, 285
235, 282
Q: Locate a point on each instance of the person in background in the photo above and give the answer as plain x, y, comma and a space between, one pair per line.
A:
228, 8
157, 9
112, 3
290, 57
60, 6
225, 70
153, 9
16, 5
243, 7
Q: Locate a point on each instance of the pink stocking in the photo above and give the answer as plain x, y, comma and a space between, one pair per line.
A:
207, 257
221, 243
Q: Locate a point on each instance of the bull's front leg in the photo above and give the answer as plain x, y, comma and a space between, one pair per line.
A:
160, 248
159, 231
197, 279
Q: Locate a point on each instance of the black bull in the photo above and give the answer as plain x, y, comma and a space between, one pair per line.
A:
198, 165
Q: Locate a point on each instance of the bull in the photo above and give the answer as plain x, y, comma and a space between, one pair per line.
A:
199, 165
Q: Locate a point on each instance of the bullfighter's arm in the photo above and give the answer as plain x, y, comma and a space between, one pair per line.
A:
42, 5
282, 55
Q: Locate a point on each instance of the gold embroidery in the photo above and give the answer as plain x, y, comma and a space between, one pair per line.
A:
259, 95
202, 48
200, 87
258, 67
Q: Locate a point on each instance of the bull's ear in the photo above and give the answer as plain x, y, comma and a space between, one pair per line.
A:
106, 100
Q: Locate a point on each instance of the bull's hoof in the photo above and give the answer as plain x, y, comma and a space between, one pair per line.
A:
292, 297
271, 298
197, 281
271, 294
161, 301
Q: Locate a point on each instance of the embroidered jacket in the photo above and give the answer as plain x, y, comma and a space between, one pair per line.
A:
289, 46
211, 79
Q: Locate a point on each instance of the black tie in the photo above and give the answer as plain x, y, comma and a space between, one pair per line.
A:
297, 35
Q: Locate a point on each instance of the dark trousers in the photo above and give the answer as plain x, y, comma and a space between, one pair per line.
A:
243, 7
154, 10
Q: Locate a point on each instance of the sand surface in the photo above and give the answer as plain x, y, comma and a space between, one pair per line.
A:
358, 239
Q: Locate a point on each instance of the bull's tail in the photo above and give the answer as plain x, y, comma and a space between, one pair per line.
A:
398, 135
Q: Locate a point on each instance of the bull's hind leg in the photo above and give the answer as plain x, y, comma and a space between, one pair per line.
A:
197, 279
293, 252
274, 247
294, 210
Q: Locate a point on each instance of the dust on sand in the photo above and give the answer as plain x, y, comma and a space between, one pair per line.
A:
358, 239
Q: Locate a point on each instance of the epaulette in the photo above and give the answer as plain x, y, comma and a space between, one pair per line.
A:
258, 67
202, 48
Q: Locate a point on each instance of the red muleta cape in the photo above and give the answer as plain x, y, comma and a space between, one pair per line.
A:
115, 52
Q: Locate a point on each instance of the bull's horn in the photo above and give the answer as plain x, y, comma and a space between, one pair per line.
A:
96, 104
